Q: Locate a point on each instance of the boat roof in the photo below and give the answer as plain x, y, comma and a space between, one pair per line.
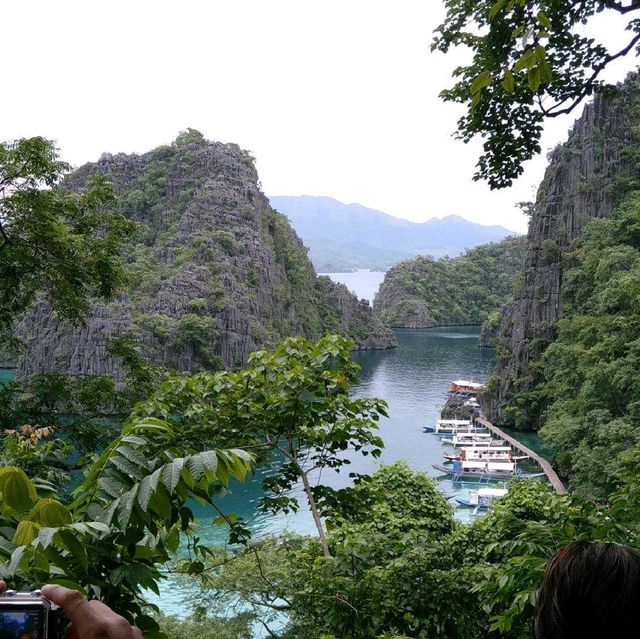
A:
467, 382
454, 422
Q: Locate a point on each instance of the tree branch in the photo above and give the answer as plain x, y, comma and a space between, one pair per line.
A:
610, 58
616, 6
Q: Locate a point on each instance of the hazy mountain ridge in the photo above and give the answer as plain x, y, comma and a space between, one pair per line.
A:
350, 236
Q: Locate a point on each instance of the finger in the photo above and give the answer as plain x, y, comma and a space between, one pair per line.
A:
73, 602
136, 633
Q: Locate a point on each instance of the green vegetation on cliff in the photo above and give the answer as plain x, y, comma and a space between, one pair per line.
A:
585, 388
424, 292
214, 271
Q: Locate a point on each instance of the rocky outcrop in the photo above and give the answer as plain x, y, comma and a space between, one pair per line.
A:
215, 272
489, 331
464, 290
586, 177
455, 408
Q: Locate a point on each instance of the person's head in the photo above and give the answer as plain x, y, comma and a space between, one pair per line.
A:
590, 591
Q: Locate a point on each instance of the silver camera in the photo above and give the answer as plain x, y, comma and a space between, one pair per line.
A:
28, 615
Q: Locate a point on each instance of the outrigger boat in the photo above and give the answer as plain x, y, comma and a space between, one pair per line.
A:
449, 426
482, 498
465, 387
485, 471
472, 439
485, 453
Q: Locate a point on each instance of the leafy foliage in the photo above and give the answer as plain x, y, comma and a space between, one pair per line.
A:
66, 245
425, 292
110, 537
531, 60
585, 391
292, 404
401, 566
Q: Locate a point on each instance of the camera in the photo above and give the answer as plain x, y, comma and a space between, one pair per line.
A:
28, 615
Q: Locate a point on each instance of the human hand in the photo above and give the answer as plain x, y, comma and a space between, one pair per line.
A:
90, 619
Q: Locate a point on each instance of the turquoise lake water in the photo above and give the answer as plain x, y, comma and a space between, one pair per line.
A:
413, 379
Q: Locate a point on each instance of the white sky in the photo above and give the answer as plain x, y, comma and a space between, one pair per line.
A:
333, 97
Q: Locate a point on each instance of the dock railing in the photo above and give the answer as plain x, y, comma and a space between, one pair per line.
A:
553, 478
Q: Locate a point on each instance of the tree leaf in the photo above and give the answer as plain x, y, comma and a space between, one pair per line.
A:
26, 532
46, 535
18, 492
50, 512
16, 557
525, 61
546, 72
533, 78
496, 8
480, 82
544, 20
508, 81
147, 487
171, 474
75, 547
125, 507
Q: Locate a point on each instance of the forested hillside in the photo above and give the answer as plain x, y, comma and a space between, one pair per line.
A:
214, 271
568, 343
426, 292
344, 237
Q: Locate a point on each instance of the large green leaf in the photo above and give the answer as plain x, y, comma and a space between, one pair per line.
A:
75, 547
26, 532
18, 492
50, 512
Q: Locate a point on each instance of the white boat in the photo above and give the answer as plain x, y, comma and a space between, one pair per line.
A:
482, 498
449, 426
484, 453
472, 439
485, 471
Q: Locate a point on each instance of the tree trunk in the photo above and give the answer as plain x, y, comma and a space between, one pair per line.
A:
316, 514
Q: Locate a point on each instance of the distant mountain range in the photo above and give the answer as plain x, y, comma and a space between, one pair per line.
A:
344, 237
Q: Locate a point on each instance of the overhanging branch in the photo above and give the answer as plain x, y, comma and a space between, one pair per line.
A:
554, 112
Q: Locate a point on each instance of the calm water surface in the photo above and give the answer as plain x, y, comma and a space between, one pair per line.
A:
363, 282
413, 379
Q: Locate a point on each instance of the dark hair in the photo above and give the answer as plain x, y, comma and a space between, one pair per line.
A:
590, 591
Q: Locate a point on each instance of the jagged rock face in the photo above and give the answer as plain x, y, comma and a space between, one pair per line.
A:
215, 272
454, 408
424, 292
581, 182
488, 334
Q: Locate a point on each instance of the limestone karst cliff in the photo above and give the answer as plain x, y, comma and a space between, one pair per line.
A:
586, 177
425, 292
215, 271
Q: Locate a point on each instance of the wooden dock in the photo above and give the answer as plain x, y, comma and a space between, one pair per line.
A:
553, 478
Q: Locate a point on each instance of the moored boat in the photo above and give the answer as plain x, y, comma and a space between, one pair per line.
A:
485, 453
465, 387
481, 498
472, 439
449, 426
485, 471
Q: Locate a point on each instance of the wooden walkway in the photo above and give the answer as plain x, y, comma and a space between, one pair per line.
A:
554, 480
